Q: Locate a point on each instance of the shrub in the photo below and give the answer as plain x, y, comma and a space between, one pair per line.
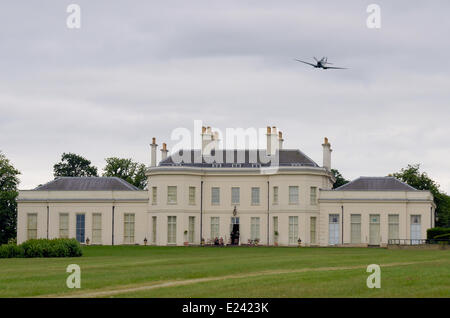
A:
42, 248
11, 250
435, 231
442, 236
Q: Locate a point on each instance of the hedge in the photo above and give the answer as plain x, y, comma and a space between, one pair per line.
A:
442, 237
435, 231
42, 248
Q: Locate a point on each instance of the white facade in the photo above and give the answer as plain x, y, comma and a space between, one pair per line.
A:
185, 203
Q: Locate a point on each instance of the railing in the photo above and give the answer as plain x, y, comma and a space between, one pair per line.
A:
416, 242
406, 242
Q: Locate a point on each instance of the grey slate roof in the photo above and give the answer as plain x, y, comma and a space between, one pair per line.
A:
287, 157
87, 184
376, 184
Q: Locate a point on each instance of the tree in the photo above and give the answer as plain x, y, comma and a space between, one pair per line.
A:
73, 165
8, 192
126, 169
340, 180
421, 181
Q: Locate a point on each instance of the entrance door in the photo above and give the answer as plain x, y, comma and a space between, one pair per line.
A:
333, 231
374, 229
234, 231
415, 229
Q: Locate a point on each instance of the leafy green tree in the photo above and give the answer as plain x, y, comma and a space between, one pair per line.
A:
126, 169
421, 181
340, 180
73, 165
8, 192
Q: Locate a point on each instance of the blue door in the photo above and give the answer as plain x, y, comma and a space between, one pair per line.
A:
333, 229
80, 228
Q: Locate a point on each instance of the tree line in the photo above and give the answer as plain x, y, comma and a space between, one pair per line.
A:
73, 165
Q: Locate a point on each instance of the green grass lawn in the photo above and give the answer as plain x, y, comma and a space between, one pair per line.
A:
144, 271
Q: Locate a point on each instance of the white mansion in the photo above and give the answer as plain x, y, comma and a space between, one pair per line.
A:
231, 199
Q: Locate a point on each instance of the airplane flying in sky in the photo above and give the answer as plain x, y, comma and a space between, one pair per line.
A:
322, 63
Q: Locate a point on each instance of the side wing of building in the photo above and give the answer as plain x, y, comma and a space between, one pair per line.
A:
107, 213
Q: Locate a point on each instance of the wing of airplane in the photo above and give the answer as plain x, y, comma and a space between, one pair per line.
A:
336, 68
306, 62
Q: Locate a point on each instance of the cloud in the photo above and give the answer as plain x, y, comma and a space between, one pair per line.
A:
141, 69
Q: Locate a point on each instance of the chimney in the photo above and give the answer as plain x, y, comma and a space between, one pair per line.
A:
207, 141
153, 145
327, 154
164, 151
215, 138
280, 140
272, 142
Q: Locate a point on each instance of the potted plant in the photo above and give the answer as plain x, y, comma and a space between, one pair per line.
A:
256, 241
186, 243
202, 242
87, 241
275, 241
299, 241
145, 241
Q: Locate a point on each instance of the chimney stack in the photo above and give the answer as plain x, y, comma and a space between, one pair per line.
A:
153, 145
280, 140
327, 154
207, 141
164, 151
272, 140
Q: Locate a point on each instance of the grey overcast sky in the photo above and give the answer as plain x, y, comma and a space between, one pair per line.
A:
138, 69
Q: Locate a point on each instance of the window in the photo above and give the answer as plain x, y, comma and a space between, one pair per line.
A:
128, 237
171, 229
313, 231
293, 194
254, 231
64, 225
215, 196
80, 228
355, 228
235, 195
313, 196
154, 195
191, 195
255, 196
393, 233
374, 229
154, 229
214, 227
97, 228
172, 195
275, 229
191, 229
293, 229
32, 225
275, 195
415, 230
